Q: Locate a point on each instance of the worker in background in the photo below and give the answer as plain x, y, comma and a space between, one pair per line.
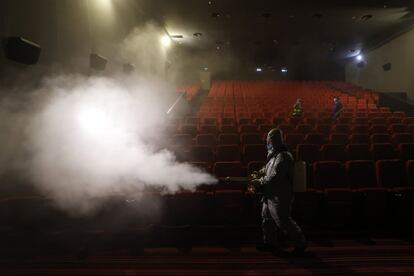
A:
297, 108
275, 181
337, 108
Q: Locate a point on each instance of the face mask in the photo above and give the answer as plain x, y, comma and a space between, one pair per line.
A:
269, 147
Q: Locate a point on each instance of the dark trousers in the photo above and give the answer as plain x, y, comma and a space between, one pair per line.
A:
276, 214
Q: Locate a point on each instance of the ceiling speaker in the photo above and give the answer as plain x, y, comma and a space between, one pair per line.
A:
97, 62
21, 50
361, 64
386, 66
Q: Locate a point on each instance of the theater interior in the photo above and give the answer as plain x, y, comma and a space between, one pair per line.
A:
130, 130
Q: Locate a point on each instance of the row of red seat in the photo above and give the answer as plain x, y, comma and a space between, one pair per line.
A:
310, 153
326, 118
294, 122
353, 174
125, 219
292, 139
304, 129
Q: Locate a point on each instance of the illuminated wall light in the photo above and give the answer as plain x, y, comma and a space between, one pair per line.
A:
284, 70
166, 41
258, 69
359, 57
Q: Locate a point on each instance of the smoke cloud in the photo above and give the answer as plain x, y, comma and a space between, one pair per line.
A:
81, 139
85, 139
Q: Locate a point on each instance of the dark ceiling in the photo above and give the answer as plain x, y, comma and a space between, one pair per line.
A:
271, 30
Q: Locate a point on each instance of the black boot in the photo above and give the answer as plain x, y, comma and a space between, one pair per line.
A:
265, 247
300, 249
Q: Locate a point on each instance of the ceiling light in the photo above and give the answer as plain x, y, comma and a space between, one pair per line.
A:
258, 69
366, 17
215, 14
283, 70
359, 57
166, 41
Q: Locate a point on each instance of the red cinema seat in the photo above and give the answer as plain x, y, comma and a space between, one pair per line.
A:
294, 120
339, 138
408, 120
307, 152
324, 129
391, 173
361, 174
293, 139
325, 121
310, 121
398, 128
286, 128
250, 138
409, 165
228, 129
229, 169
189, 129
378, 121
212, 129
342, 128
228, 207
261, 121
333, 152
399, 114
182, 140
399, 138
314, 138
329, 174
406, 151
279, 121
180, 153
358, 152
247, 128
304, 128
393, 120
380, 138
244, 121
229, 139
265, 128
191, 121
345, 120
228, 121
201, 154
383, 151
373, 202
360, 129
378, 129
228, 153
256, 152
360, 139
206, 140
209, 121
202, 165
361, 121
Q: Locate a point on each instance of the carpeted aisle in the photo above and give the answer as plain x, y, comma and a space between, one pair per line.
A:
392, 257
